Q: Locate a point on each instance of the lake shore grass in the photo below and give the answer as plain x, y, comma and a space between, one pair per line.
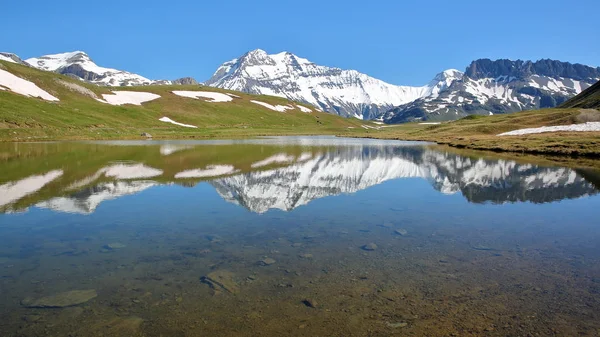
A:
481, 133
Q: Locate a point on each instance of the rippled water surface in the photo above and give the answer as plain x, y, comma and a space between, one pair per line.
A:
293, 236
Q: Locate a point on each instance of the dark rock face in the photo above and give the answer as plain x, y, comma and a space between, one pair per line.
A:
486, 68
502, 86
78, 71
185, 81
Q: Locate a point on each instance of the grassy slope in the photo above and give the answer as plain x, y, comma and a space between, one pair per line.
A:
479, 132
77, 116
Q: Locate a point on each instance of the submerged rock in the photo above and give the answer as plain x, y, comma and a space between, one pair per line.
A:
62, 300
397, 325
309, 302
369, 247
114, 246
481, 247
401, 232
266, 261
221, 280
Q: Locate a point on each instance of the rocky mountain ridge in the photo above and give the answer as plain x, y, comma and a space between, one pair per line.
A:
502, 86
486, 87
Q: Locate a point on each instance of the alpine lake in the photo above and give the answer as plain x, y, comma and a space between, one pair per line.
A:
294, 236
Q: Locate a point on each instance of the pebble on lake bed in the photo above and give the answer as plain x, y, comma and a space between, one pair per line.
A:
369, 247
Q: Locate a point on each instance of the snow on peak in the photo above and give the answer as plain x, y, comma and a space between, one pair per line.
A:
344, 92
53, 62
449, 74
80, 64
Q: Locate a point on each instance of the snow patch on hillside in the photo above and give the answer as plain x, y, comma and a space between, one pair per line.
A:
210, 171
280, 108
304, 109
583, 127
169, 120
129, 97
23, 87
213, 97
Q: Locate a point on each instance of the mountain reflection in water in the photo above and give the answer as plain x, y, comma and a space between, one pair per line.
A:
289, 177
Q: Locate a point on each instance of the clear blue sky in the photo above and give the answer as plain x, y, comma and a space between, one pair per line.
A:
401, 42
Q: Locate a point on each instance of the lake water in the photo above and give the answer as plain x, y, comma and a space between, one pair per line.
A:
312, 236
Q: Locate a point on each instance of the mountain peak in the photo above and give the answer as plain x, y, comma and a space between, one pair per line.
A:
53, 62
343, 92
257, 51
79, 64
449, 74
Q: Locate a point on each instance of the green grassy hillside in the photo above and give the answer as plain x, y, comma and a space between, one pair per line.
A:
79, 116
480, 132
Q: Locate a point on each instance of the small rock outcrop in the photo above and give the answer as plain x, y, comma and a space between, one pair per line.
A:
185, 81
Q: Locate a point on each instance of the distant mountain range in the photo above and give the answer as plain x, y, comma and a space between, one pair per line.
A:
486, 87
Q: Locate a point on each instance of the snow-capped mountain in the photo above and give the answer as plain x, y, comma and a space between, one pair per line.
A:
487, 87
343, 92
79, 65
353, 169
501, 86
